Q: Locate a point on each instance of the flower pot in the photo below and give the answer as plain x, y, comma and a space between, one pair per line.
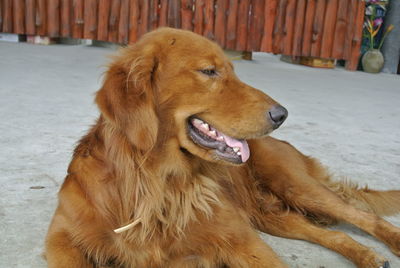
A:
372, 61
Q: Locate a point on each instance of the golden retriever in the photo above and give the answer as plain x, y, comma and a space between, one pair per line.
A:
180, 159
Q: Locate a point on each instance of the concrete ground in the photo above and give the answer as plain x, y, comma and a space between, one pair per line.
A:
349, 120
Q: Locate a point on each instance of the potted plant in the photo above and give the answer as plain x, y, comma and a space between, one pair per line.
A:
372, 61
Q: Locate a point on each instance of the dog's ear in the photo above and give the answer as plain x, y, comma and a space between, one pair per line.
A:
127, 97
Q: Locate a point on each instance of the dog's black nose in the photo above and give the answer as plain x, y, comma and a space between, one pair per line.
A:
278, 115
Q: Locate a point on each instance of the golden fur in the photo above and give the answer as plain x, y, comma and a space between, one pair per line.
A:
194, 208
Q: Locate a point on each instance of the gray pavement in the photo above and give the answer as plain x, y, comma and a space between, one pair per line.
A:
349, 120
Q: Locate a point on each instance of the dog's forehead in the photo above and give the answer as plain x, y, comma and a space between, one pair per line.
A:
197, 50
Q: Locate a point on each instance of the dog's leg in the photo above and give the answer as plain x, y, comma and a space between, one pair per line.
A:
252, 253
60, 253
294, 226
286, 172
316, 199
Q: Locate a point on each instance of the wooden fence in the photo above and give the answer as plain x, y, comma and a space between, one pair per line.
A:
317, 28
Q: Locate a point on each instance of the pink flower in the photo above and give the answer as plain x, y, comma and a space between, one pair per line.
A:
378, 22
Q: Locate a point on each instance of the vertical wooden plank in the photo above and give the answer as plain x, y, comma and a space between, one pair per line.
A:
162, 22
77, 18
308, 28
19, 17
1, 16
41, 17
198, 16
209, 19
357, 37
232, 24
113, 21
144, 17
103, 18
174, 13
278, 35
7, 16
256, 25
329, 29
53, 15
123, 27
187, 14
66, 11
340, 30
133, 21
220, 22
318, 27
90, 18
351, 15
242, 25
154, 14
269, 21
298, 27
289, 27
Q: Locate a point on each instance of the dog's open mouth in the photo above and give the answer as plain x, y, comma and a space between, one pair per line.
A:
230, 149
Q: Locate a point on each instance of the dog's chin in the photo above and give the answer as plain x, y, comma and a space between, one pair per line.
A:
217, 146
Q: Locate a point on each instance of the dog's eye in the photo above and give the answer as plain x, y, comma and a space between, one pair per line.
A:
209, 72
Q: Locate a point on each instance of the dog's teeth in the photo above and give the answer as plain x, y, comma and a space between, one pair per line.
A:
220, 138
213, 133
205, 126
236, 149
196, 121
239, 153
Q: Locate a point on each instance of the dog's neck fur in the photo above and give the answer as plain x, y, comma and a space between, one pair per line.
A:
164, 200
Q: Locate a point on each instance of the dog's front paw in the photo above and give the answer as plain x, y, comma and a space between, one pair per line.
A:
373, 261
385, 265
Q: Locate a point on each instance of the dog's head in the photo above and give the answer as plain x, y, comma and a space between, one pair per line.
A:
176, 85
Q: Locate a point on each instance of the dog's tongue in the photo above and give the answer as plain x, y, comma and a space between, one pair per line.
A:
242, 144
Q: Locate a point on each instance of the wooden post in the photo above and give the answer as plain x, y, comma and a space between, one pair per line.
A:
220, 22
199, 17
77, 15
318, 28
7, 16
174, 13
269, 23
242, 25
65, 13
53, 18
1, 16
329, 29
123, 26
133, 21
256, 25
298, 28
103, 18
19, 17
231, 25
114, 21
162, 22
90, 18
357, 38
351, 15
153, 15
277, 45
30, 8
144, 17
187, 14
342, 23
289, 27
308, 28
209, 19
